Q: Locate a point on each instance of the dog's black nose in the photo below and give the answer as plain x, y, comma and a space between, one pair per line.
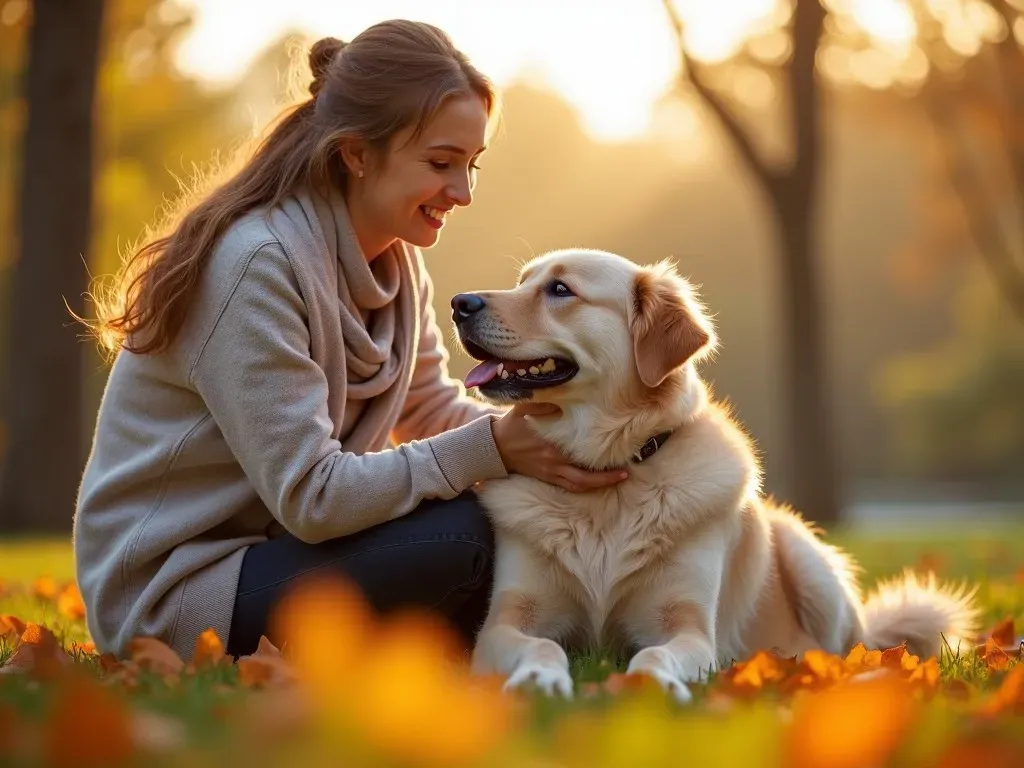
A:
466, 304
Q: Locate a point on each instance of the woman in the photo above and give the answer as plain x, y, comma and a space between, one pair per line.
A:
280, 402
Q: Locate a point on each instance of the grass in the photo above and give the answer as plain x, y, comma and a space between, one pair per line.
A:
200, 711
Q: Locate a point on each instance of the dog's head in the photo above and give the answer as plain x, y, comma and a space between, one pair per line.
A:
579, 323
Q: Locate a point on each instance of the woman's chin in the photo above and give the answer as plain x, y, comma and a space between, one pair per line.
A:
423, 237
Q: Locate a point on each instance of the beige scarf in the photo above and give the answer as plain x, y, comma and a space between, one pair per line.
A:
376, 304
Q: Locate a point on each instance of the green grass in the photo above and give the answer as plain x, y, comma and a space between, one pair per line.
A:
991, 558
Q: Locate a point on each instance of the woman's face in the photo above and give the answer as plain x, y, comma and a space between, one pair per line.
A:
409, 193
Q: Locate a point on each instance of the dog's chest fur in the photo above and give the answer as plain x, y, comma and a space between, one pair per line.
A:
603, 545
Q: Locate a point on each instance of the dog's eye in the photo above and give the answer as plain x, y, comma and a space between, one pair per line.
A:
558, 288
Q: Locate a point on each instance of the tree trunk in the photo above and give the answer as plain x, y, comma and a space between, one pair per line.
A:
44, 449
814, 487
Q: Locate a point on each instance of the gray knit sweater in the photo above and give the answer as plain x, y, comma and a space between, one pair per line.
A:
308, 391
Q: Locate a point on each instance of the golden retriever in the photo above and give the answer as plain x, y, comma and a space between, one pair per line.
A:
685, 566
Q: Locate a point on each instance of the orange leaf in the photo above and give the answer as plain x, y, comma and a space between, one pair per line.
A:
155, 656
11, 627
1003, 633
70, 604
45, 588
38, 654
209, 650
893, 657
852, 724
1009, 697
264, 668
860, 658
995, 657
89, 725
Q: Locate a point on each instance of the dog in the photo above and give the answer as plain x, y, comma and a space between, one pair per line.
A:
686, 566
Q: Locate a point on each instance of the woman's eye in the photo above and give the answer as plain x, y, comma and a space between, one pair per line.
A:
440, 165
558, 288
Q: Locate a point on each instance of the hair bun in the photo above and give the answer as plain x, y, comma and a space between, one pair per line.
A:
320, 57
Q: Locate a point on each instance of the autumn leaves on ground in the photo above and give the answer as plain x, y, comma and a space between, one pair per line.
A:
347, 686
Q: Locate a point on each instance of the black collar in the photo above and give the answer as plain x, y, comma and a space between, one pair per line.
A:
651, 447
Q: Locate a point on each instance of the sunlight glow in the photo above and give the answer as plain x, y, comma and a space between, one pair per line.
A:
611, 60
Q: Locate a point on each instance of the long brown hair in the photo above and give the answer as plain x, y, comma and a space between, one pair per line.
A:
393, 75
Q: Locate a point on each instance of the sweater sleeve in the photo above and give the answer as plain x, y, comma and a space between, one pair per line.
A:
436, 402
269, 399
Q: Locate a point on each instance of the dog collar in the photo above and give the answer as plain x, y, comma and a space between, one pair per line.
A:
651, 447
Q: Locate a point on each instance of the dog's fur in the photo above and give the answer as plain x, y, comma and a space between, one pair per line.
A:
686, 564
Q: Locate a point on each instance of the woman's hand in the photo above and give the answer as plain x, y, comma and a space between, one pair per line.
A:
525, 452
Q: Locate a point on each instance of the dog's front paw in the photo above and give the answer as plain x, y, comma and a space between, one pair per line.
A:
659, 664
549, 679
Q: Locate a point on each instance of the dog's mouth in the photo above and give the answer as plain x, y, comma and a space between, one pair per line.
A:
497, 373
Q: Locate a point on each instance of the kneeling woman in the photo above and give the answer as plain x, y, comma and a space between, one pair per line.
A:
279, 403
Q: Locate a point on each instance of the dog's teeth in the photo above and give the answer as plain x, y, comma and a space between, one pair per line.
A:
548, 367
504, 374
501, 368
534, 370
521, 372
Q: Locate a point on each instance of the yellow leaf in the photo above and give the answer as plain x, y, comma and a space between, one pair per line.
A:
416, 706
860, 658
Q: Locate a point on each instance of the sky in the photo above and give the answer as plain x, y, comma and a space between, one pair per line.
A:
611, 59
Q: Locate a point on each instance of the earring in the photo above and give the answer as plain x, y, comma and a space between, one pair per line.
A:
359, 174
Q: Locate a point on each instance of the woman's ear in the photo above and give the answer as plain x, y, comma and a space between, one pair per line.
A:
668, 326
355, 154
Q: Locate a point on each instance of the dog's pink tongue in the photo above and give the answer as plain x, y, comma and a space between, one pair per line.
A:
483, 373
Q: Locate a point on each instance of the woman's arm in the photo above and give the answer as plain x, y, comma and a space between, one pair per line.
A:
436, 402
269, 399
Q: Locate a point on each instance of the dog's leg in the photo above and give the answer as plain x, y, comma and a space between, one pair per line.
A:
674, 620
526, 611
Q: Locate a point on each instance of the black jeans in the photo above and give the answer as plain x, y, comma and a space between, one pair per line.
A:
438, 557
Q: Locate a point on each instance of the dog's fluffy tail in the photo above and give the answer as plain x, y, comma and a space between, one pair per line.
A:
921, 612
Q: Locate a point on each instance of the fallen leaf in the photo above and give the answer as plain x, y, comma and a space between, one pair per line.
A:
995, 657
1008, 698
850, 725
264, 668
155, 656
70, 604
38, 655
45, 588
860, 658
89, 725
11, 627
1004, 633
209, 650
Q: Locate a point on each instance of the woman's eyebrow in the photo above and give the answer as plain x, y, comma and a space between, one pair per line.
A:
453, 148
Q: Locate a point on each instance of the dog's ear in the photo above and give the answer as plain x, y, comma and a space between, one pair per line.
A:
668, 327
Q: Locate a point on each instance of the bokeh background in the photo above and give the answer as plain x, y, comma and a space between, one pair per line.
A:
844, 180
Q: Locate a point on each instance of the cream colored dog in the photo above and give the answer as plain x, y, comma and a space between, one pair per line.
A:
685, 564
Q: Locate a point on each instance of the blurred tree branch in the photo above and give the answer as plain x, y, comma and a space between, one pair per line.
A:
790, 191
988, 86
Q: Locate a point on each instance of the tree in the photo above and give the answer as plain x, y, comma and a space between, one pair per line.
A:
42, 469
976, 106
790, 189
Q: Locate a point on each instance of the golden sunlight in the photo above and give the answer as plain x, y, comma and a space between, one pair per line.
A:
610, 60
